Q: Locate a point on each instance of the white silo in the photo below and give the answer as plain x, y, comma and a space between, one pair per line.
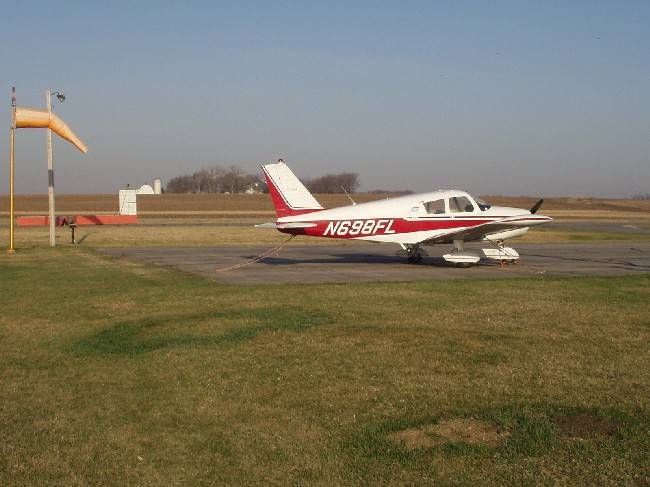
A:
157, 186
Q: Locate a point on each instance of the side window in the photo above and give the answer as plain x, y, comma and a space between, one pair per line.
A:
460, 204
435, 207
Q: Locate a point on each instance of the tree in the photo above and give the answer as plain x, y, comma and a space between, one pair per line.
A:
232, 179
213, 179
334, 183
216, 179
180, 184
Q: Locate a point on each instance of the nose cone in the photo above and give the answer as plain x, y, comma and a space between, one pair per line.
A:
543, 218
535, 218
520, 216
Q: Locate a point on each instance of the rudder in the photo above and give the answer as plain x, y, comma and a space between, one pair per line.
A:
289, 195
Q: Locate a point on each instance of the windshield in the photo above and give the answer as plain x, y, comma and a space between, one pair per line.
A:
460, 204
482, 204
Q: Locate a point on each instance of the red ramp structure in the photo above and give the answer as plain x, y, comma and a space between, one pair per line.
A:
75, 221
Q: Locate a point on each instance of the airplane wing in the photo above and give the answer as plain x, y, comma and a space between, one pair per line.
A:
478, 232
282, 226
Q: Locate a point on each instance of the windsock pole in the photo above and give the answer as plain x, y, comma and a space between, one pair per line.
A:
11, 249
50, 176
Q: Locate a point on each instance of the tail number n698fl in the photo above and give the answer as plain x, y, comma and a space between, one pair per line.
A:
358, 227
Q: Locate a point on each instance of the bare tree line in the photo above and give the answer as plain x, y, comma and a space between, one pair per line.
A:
214, 179
217, 179
347, 182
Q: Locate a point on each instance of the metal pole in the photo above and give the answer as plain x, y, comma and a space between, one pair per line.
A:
11, 249
50, 177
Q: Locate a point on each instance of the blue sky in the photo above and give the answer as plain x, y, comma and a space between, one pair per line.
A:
548, 98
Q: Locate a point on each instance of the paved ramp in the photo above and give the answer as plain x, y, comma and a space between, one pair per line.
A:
360, 262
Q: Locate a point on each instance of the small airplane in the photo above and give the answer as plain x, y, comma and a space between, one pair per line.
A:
412, 221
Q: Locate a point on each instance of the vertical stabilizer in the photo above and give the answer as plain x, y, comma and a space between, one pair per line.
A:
289, 195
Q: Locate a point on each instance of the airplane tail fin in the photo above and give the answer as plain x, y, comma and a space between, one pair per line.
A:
289, 195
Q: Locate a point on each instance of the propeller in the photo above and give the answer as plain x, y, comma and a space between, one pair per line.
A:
536, 206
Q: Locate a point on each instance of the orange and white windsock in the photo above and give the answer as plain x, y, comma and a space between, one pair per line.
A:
27, 117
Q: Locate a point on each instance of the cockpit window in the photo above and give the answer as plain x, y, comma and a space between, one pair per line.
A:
435, 207
460, 204
482, 204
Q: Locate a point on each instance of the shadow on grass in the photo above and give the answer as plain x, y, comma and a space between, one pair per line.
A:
136, 337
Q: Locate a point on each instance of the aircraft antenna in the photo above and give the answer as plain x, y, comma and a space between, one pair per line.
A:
348, 195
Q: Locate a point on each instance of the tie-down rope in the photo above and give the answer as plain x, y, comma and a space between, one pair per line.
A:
258, 258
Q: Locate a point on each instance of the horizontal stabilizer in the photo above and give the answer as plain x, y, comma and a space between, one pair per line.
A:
283, 226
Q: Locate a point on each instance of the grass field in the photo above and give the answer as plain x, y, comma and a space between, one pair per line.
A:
114, 373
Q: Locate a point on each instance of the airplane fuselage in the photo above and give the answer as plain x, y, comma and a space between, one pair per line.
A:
407, 219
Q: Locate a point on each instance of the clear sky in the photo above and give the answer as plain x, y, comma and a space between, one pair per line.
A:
521, 97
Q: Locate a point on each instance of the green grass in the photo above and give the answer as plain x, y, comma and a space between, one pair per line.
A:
115, 373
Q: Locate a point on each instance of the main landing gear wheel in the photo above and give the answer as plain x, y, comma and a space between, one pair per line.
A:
414, 254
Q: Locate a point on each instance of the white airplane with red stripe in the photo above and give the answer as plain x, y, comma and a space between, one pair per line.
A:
412, 221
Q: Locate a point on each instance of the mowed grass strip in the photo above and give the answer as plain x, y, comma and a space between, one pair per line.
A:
116, 373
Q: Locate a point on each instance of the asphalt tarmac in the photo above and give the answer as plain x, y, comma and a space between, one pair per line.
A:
362, 262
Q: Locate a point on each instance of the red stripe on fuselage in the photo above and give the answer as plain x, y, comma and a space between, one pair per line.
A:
382, 226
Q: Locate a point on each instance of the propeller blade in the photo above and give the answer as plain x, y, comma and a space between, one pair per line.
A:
536, 206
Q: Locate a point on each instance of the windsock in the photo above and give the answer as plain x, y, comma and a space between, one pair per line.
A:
27, 117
